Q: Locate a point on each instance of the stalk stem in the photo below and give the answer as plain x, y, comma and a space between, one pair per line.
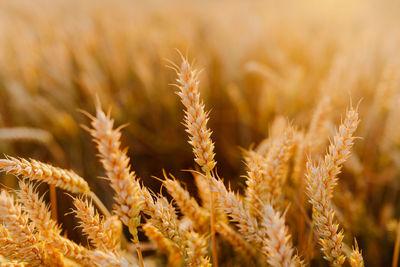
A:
100, 204
53, 201
212, 223
138, 250
396, 247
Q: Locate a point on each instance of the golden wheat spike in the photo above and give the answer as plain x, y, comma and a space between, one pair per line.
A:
195, 117
27, 242
188, 205
94, 226
128, 194
321, 180
35, 170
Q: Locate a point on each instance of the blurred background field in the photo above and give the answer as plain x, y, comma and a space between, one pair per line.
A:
262, 61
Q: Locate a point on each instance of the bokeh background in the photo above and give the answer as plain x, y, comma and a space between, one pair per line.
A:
262, 61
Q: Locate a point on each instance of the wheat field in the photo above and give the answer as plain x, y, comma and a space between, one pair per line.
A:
199, 133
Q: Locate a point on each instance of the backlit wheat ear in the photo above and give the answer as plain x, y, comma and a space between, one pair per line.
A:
38, 212
196, 247
233, 206
340, 147
94, 227
8, 246
199, 135
187, 205
26, 134
331, 237
128, 195
164, 245
195, 117
74, 251
28, 246
275, 167
166, 221
35, 170
275, 245
321, 180
356, 259
108, 259
34, 206
115, 227
265, 175
278, 245
255, 178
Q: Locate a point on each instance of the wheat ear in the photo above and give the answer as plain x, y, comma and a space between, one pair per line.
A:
35, 170
164, 245
94, 226
64, 179
196, 250
275, 167
38, 212
28, 245
165, 220
254, 180
232, 205
321, 180
187, 205
356, 258
278, 246
108, 259
195, 116
128, 195
196, 119
8, 246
